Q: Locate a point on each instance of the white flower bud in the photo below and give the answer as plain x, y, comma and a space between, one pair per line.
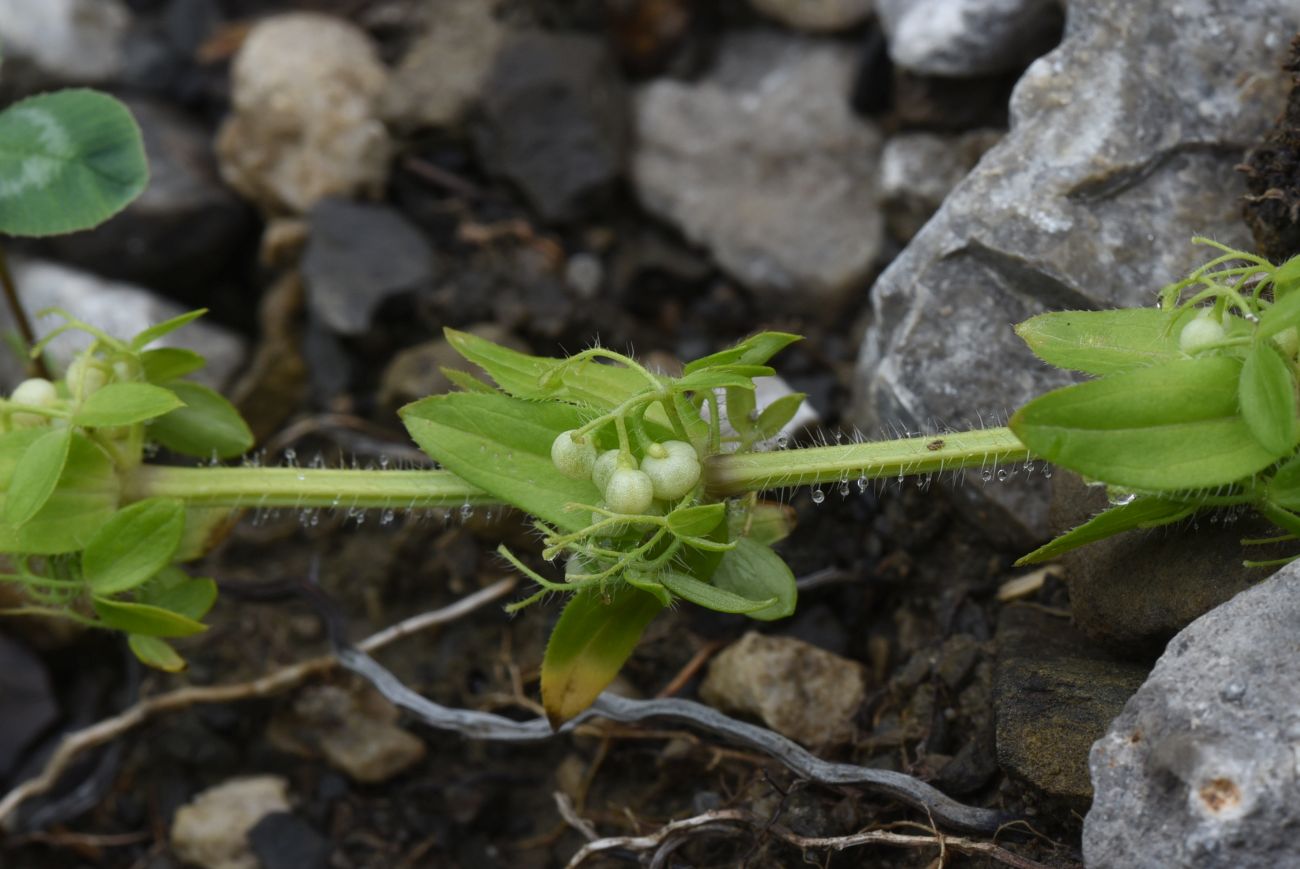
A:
37, 392
573, 458
629, 491
674, 473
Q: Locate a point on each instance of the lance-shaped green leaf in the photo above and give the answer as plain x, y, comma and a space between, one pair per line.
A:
1165, 428
1286, 278
767, 522
503, 446
133, 546
174, 590
36, 475
156, 653
1284, 487
69, 160
755, 350
166, 327
1267, 395
143, 619
696, 521
1281, 315
207, 425
164, 364
1101, 342
125, 404
1139, 513
710, 596
778, 414
594, 636
85, 496
754, 572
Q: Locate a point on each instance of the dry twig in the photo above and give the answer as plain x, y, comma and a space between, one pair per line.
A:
735, 821
273, 683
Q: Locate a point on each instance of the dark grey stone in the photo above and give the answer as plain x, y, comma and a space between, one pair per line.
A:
554, 122
1054, 694
282, 840
358, 255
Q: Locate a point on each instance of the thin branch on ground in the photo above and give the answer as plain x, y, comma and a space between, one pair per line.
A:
281, 680
737, 821
487, 726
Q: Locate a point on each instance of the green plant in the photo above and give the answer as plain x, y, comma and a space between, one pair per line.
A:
646, 486
630, 477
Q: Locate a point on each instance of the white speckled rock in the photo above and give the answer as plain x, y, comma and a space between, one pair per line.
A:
49, 42
1202, 769
442, 73
961, 38
121, 310
764, 163
817, 16
306, 90
797, 689
212, 829
1122, 147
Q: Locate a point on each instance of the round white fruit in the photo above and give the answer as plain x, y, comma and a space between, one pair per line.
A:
674, 473
629, 491
573, 457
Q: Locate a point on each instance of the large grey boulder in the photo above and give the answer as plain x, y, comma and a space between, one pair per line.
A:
1201, 768
1122, 147
764, 163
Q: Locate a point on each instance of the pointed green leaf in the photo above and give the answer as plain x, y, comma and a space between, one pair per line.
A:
155, 653
778, 414
712, 378
1140, 513
1267, 395
696, 521
125, 404
133, 546
69, 160
1286, 278
173, 589
754, 572
650, 586
741, 411
140, 618
1280, 316
166, 327
1284, 487
36, 475
596, 633
766, 523
1101, 342
503, 446
1168, 427
207, 425
164, 364
85, 496
711, 597
755, 350
467, 382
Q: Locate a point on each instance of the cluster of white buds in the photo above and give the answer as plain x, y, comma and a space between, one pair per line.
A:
667, 472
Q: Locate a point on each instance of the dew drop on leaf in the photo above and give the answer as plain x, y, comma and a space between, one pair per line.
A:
818, 496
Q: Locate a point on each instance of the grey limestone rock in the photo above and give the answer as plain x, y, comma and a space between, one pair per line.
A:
1200, 769
763, 163
961, 38
1122, 147
53, 42
306, 90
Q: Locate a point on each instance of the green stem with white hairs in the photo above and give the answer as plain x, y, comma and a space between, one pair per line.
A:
419, 489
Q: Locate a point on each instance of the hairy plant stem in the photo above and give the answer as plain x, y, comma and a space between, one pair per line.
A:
756, 472
303, 487
726, 475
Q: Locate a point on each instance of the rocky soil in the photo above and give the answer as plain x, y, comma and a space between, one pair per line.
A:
339, 180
